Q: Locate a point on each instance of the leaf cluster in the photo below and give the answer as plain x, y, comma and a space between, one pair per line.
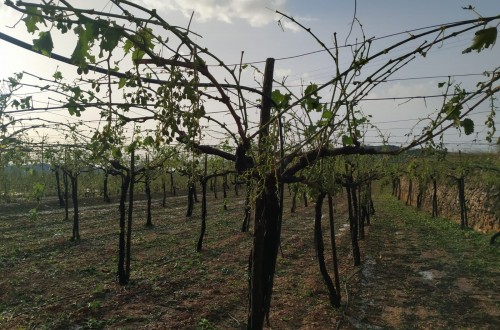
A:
483, 39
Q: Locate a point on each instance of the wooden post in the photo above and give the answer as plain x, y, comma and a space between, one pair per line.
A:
266, 234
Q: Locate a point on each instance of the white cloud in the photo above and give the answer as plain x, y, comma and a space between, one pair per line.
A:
417, 89
282, 73
255, 12
408, 89
290, 26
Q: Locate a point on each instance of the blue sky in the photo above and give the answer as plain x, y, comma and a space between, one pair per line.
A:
231, 26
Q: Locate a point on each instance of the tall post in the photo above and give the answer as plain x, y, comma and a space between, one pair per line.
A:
266, 226
130, 213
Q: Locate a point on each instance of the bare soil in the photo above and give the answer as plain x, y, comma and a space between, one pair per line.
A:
410, 278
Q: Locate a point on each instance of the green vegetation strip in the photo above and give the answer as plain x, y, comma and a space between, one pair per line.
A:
469, 247
424, 272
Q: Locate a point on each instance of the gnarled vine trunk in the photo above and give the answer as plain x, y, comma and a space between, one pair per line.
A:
149, 220
463, 205
320, 252
353, 223
105, 193
191, 199
74, 194
122, 275
409, 197
130, 214
58, 187
203, 228
267, 223
294, 198
434, 198
264, 252
246, 221
66, 196
334, 251
224, 191
164, 192
204, 180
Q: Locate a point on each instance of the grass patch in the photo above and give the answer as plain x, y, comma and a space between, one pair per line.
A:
425, 272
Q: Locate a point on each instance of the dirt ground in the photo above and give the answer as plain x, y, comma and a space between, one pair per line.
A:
426, 277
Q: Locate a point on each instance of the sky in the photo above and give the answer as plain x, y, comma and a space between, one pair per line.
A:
229, 27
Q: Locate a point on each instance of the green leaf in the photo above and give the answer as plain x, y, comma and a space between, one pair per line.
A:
44, 43
453, 107
122, 82
63, 27
71, 108
137, 54
25, 103
468, 126
311, 129
199, 112
15, 104
327, 114
132, 146
311, 89
57, 75
32, 18
149, 141
80, 53
347, 140
110, 39
277, 96
74, 108
128, 46
116, 153
139, 42
483, 39
282, 100
312, 100
441, 84
8, 140
87, 32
